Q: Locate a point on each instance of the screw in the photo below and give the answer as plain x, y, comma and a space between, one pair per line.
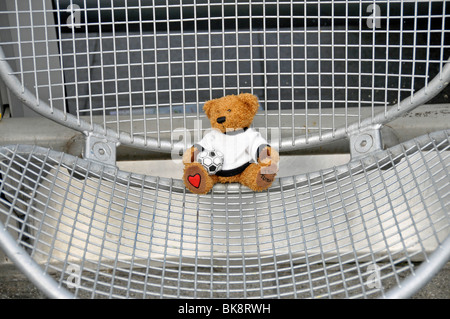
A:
363, 143
101, 151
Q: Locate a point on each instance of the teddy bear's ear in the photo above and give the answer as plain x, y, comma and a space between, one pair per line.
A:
251, 100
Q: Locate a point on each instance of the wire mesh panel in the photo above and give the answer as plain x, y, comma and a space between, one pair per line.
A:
137, 70
356, 230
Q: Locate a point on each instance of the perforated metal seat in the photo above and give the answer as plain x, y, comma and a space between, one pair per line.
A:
351, 231
136, 74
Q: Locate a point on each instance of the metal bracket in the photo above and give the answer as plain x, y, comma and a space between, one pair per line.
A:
365, 141
100, 149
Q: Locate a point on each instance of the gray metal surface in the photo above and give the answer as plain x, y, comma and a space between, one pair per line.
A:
340, 232
310, 63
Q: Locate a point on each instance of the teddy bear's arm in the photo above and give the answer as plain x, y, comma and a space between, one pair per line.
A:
190, 155
267, 155
268, 158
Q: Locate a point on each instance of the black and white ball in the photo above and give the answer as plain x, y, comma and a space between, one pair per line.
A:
212, 161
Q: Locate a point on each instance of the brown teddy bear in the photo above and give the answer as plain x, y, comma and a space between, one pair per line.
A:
247, 158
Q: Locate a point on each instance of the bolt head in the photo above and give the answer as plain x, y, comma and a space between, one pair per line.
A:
363, 143
101, 151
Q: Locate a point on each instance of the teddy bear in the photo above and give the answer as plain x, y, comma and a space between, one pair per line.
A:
247, 157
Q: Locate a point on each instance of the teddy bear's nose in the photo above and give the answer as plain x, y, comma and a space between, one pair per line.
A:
221, 119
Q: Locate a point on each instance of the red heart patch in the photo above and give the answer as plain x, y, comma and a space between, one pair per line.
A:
194, 180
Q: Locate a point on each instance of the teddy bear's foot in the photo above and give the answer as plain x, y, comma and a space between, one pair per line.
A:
196, 179
263, 181
257, 177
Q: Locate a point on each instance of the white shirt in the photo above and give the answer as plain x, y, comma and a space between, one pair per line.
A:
238, 147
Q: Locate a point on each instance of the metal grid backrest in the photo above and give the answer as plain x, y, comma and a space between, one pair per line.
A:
138, 70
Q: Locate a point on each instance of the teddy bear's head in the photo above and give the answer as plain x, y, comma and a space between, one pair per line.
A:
231, 112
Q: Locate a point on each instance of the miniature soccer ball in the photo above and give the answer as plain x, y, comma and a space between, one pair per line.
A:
212, 161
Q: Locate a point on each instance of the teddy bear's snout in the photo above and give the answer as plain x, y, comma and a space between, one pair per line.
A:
221, 119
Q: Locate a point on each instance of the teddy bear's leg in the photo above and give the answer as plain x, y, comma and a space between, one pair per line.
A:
196, 179
256, 177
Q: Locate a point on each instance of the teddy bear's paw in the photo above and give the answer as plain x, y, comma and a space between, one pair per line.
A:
196, 179
257, 177
264, 180
269, 170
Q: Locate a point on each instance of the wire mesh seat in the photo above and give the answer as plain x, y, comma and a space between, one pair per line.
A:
351, 231
136, 74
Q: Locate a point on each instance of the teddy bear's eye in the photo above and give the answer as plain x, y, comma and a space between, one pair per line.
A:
229, 110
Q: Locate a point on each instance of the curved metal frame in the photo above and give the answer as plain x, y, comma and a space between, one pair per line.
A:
424, 273
30, 268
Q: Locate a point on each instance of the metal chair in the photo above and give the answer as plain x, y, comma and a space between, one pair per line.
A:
331, 76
